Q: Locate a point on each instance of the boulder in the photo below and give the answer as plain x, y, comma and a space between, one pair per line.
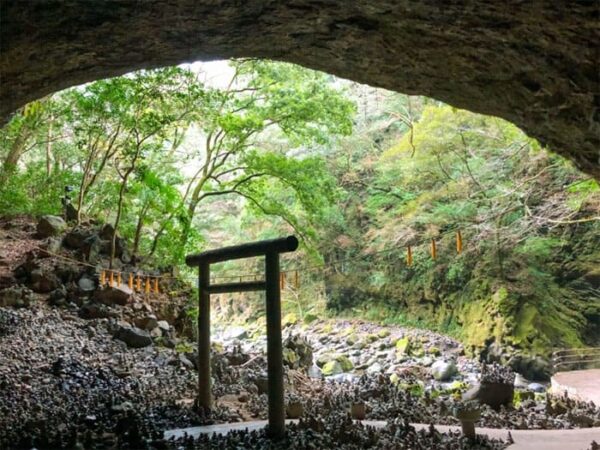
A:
91, 248
148, 322
315, 372
403, 346
50, 226
494, 395
16, 296
185, 362
163, 325
233, 333
75, 239
294, 410
345, 363
374, 368
262, 383
116, 295
58, 296
51, 246
67, 272
443, 370
332, 368
298, 349
91, 310
536, 387
133, 337
43, 281
86, 285
106, 232
531, 367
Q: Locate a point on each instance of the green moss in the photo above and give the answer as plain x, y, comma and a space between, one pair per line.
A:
309, 318
289, 320
383, 333
332, 368
352, 339
345, 363
403, 346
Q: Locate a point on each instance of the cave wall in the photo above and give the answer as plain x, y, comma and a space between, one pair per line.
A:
536, 64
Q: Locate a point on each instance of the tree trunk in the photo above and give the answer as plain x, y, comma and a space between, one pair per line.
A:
138, 230
49, 147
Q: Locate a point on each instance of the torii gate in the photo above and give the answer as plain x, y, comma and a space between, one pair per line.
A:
270, 249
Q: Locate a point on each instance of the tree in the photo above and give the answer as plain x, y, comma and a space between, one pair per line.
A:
250, 129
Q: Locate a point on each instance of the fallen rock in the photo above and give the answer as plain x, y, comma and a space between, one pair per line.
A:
50, 226
16, 297
86, 284
332, 368
75, 239
299, 352
443, 370
43, 281
315, 372
403, 346
374, 368
148, 322
93, 310
531, 367
494, 395
294, 410
133, 337
116, 295
233, 333
163, 325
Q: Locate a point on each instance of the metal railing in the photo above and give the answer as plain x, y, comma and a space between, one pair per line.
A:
576, 359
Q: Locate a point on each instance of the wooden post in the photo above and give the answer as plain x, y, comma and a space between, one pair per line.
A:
111, 278
433, 249
138, 284
204, 383
459, 243
130, 281
272, 287
409, 256
119, 279
102, 278
147, 286
156, 285
274, 346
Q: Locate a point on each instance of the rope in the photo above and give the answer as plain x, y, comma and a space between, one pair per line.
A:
151, 282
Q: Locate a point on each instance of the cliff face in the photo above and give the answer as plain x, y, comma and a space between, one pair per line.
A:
536, 66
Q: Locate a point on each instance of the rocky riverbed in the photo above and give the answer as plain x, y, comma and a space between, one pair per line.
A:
65, 380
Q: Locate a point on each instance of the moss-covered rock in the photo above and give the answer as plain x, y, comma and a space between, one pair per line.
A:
289, 320
403, 346
383, 333
345, 363
332, 368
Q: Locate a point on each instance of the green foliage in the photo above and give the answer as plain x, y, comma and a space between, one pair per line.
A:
538, 248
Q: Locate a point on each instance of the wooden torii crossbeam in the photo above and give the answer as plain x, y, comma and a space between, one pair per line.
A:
270, 249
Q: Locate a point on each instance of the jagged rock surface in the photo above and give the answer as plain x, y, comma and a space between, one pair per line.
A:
535, 65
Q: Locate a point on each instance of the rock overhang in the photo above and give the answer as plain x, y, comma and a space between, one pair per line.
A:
536, 65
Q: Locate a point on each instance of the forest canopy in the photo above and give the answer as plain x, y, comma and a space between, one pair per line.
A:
178, 164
